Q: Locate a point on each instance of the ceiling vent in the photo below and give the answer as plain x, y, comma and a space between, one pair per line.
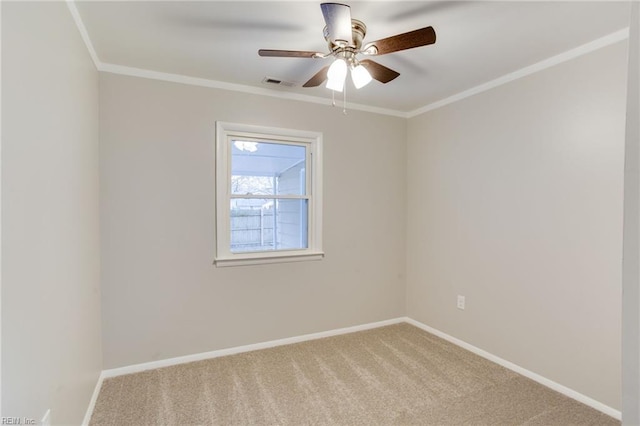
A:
278, 82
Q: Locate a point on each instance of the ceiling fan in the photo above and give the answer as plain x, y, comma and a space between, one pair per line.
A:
345, 39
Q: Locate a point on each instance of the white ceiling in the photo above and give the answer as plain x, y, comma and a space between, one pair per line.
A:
477, 41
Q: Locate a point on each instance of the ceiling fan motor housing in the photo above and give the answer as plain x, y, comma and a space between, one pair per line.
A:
358, 31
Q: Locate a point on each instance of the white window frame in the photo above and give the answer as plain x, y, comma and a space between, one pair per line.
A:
225, 132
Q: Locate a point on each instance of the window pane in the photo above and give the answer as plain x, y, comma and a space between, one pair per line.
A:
268, 224
264, 168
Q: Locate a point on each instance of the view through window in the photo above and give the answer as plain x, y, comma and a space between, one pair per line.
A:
268, 194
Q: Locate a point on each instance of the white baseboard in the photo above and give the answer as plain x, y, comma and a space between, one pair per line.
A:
523, 371
136, 368
92, 402
246, 348
313, 336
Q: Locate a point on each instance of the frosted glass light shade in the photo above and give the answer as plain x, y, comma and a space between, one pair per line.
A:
360, 76
336, 75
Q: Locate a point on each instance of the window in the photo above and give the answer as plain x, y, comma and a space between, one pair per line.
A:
268, 195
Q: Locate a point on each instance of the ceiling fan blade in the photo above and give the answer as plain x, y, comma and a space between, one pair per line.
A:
317, 79
338, 19
378, 71
288, 53
416, 38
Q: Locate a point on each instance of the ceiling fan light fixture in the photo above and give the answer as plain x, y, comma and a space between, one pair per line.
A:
336, 75
360, 76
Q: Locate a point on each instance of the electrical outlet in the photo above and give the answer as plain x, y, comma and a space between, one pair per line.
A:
46, 419
460, 302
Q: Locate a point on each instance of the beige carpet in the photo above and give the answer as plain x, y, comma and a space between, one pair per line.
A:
392, 375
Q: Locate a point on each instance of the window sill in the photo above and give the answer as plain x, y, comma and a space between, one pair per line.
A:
276, 258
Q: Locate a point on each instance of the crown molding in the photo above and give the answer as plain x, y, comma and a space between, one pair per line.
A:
214, 84
605, 41
71, 4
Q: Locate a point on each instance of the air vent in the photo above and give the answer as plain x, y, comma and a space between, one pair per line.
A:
278, 82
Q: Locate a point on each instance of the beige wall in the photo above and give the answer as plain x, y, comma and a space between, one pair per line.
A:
515, 201
51, 349
631, 259
163, 298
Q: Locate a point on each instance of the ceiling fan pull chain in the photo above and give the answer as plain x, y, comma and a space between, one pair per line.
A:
333, 98
344, 100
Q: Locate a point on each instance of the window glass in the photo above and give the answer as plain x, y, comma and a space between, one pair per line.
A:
261, 168
259, 224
